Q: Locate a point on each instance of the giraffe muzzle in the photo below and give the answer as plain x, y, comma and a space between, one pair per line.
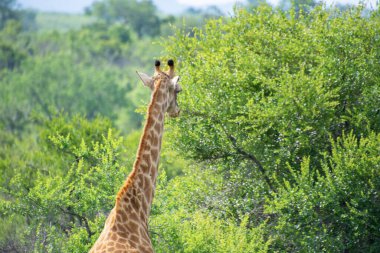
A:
175, 114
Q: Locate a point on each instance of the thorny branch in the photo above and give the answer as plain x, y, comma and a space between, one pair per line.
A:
252, 158
238, 149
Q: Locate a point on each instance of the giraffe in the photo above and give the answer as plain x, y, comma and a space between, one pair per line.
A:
126, 228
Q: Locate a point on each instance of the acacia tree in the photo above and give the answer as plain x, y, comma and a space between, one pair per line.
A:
267, 89
274, 88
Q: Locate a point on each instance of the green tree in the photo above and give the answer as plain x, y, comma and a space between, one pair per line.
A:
54, 83
273, 89
298, 5
256, 3
182, 220
10, 11
12, 52
88, 71
335, 210
192, 18
63, 186
140, 15
112, 45
264, 90
7, 11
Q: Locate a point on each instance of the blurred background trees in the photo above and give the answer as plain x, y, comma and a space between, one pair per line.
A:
141, 16
276, 149
8, 12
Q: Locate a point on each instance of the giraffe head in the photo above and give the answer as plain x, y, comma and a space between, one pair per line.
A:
166, 85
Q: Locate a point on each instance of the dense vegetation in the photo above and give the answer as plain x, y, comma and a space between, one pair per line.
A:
277, 148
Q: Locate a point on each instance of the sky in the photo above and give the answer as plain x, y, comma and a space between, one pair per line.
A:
166, 6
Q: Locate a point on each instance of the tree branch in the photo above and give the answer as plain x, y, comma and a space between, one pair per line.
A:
81, 218
253, 158
238, 149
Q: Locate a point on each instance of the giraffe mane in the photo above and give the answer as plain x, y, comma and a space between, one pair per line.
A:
129, 182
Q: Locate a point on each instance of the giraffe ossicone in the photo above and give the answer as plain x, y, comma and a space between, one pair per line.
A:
126, 228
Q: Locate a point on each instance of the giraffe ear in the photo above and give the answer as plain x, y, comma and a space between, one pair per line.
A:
147, 80
175, 80
175, 84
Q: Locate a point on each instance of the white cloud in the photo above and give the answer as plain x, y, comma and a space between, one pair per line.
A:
199, 3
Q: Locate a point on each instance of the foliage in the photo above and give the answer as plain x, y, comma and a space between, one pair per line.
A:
10, 12
285, 87
191, 18
267, 91
336, 210
181, 222
7, 12
47, 22
68, 192
202, 233
69, 72
11, 55
140, 15
76, 88
276, 149
298, 5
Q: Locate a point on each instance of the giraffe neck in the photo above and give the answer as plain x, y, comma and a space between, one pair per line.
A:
135, 197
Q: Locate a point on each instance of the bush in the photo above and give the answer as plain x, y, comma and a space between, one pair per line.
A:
336, 210
61, 200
